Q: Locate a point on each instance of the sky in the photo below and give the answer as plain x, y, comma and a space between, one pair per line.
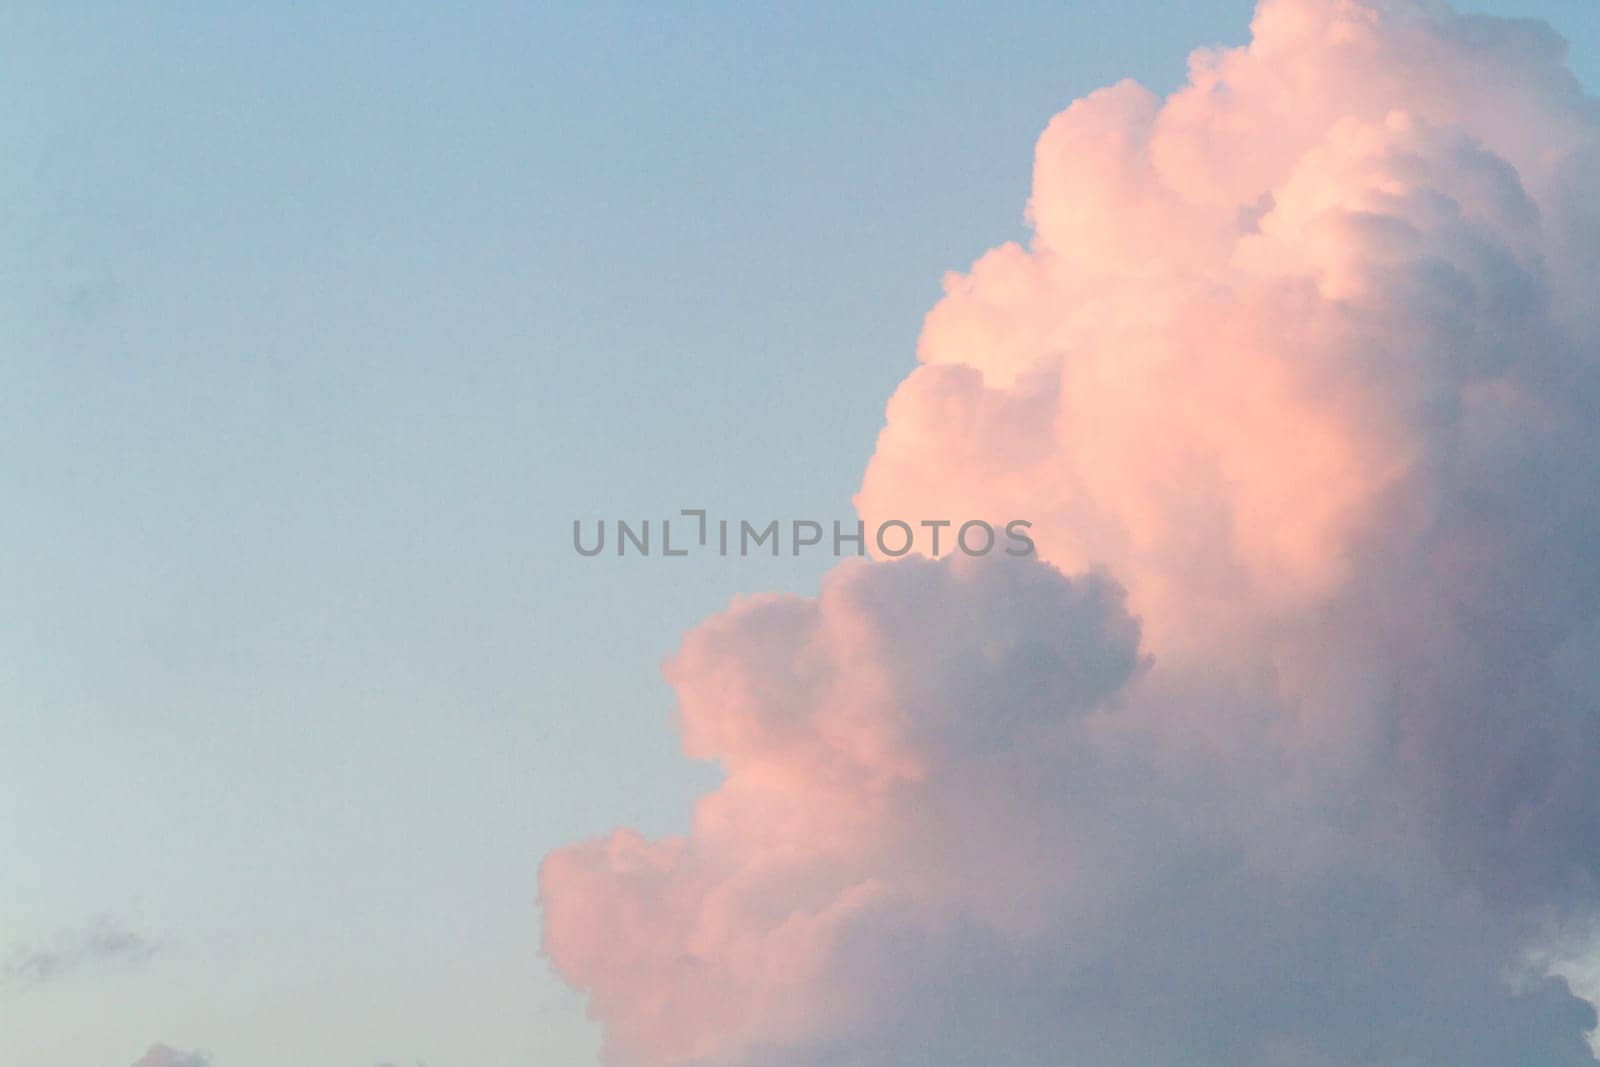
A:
318, 329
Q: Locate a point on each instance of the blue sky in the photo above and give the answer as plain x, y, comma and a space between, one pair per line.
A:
317, 330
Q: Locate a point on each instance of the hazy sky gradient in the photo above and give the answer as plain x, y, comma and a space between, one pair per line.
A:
317, 329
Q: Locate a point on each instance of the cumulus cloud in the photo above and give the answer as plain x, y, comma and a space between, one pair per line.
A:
101, 942
167, 1056
1306, 355
1284, 753
944, 838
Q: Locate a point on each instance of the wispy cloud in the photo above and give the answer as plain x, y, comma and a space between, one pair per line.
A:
103, 942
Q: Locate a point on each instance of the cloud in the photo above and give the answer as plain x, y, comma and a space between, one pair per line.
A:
1305, 355
944, 838
102, 942
167, 1056
1284, 752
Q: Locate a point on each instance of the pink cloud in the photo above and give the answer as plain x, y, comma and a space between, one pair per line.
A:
167, 1056
1298, 371
1302, 356
856, 763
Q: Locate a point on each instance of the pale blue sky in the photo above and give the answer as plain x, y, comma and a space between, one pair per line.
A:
317, 329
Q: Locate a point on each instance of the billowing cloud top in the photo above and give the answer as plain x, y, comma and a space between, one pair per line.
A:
1297, 372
